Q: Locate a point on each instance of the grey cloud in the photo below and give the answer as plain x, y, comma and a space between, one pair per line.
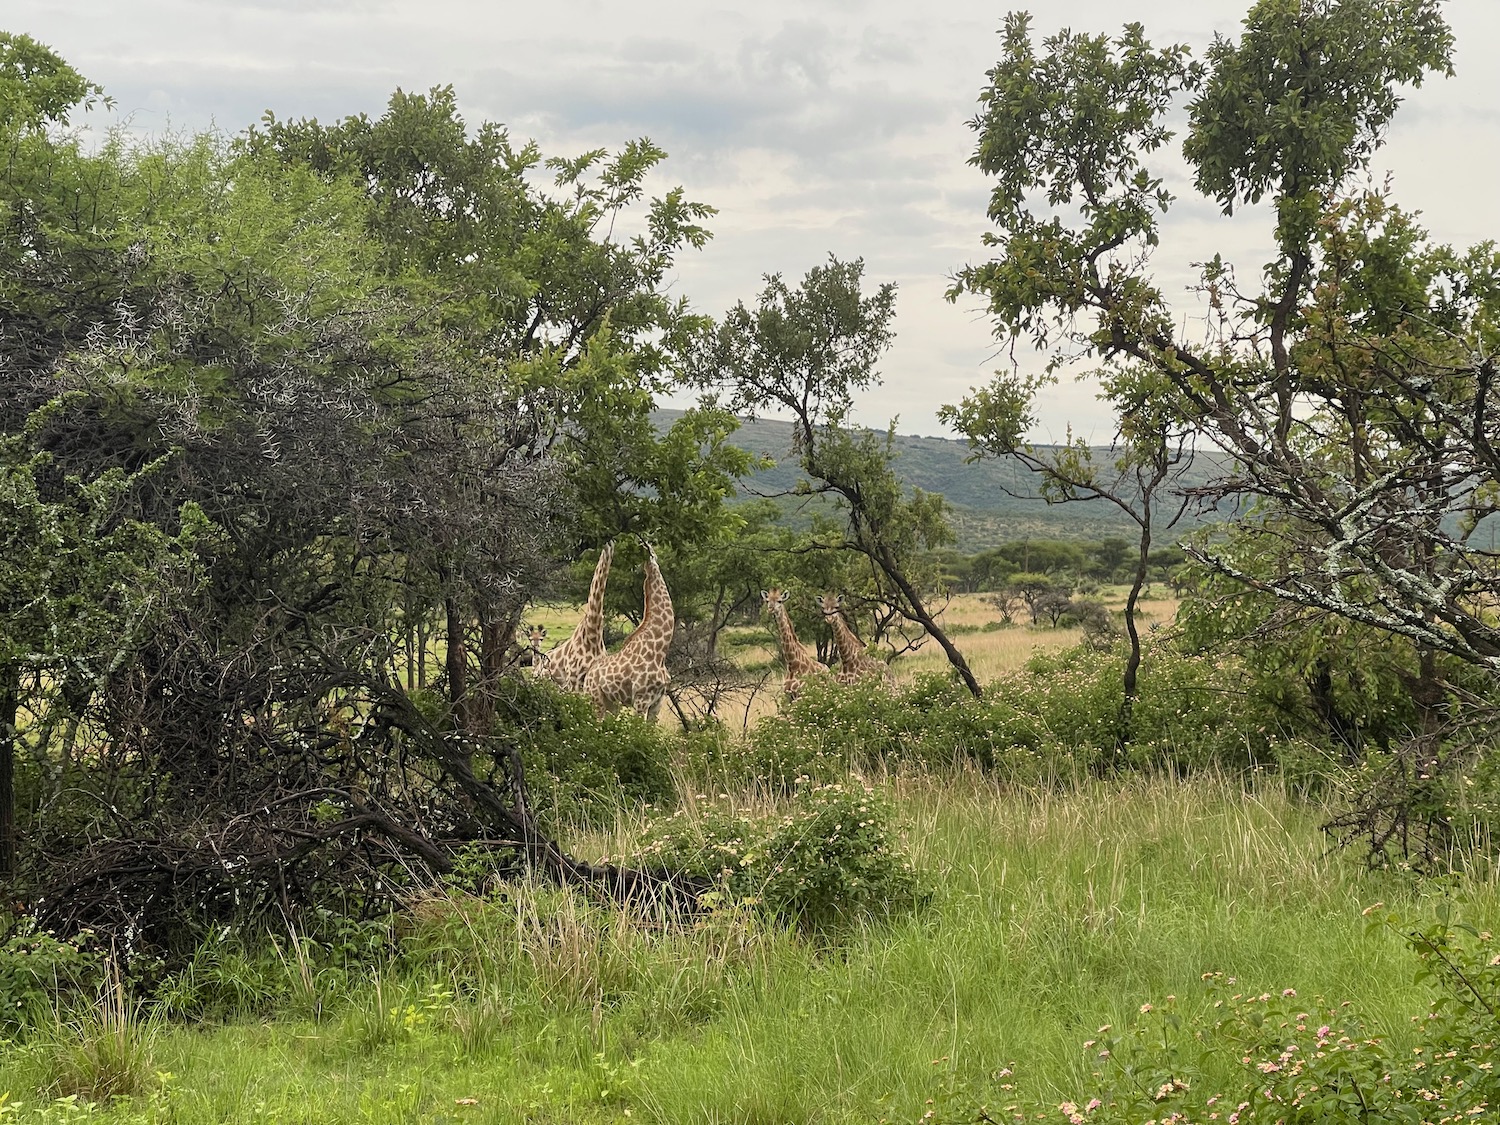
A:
800, 51
877, 47
836, 126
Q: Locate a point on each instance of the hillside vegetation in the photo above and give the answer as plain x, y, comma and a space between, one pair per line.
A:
992, 501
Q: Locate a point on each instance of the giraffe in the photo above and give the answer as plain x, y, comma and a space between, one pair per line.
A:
535, 635
857, 664
799, 662
637, 675
569, 662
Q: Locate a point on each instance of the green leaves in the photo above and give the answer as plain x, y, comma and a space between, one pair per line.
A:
1302, 100
1068, 130
805, 350
81, 582
37, 88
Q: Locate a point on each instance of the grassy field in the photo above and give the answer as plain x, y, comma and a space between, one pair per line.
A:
1051, 915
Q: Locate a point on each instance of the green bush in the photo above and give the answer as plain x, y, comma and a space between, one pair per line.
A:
40, 973
580, 768
931, 721
1057, 718
829, 859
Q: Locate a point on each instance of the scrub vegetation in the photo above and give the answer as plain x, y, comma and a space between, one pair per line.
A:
314, 439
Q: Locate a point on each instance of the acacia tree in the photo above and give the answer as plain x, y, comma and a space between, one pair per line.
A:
1150, 452
807, 351
1352, 390
568, 312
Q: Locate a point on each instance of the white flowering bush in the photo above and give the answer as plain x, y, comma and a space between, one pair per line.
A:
829, 859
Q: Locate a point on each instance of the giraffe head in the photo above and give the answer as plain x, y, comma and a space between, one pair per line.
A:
830, 605
535, 635
775, 599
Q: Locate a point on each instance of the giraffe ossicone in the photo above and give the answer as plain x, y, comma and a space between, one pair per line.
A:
636, 676
800, 663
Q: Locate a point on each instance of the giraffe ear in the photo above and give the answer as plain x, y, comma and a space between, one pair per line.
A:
765, 595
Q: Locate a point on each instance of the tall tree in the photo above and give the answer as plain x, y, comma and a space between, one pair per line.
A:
1352, 393
1351, 390
570, 314
807, 351
273, 355
1150, 450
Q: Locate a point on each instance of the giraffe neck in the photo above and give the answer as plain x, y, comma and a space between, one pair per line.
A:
792, 651
591, 625
658, 615
850, 650
658, 619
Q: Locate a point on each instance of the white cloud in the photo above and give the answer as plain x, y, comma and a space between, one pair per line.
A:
814, 126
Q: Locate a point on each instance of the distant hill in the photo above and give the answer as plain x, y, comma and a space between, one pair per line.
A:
993, 501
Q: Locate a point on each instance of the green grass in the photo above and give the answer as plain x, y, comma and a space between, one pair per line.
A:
1053, 914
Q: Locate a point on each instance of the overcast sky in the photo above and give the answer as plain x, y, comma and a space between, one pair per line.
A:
814, 127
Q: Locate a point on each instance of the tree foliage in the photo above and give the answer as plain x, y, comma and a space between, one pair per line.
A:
807, 351
1351, 391
352, 383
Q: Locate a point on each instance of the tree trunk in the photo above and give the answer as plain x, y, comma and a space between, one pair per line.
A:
10, 702
456, 661
1125, 721
919, 611
495, 638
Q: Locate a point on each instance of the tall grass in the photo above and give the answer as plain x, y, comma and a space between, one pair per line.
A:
1053, 913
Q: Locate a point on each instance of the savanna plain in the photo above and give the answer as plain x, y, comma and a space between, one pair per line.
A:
1048, 924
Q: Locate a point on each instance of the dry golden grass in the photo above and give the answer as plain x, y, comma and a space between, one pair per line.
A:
994, 653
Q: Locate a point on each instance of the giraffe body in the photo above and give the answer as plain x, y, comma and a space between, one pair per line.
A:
568, 664
636, 676
800, 663
855, 663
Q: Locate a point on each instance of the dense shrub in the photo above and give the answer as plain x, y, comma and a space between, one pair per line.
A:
829, 858
1058, 717
40, 973
580, 768
931, 721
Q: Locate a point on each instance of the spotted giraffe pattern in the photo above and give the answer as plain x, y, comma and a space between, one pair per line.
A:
855, 662
636, 676
568, 664
800, 663
535, 635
